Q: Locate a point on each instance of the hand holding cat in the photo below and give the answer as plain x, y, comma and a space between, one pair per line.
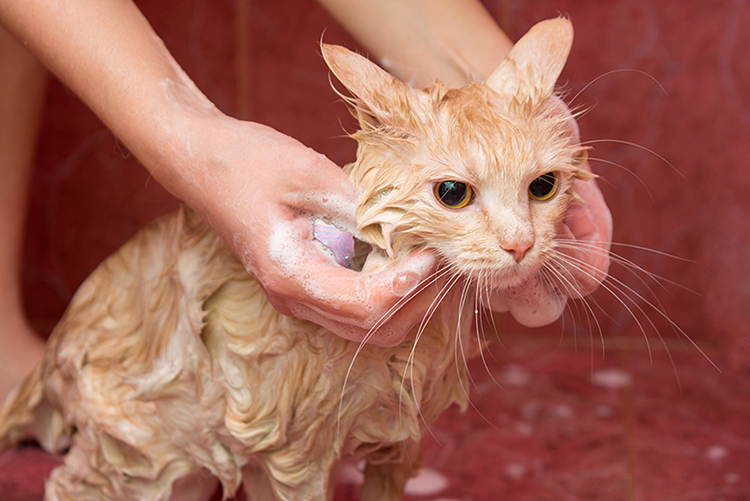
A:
258, 189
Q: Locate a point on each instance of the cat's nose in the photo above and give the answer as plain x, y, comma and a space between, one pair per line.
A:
518, 251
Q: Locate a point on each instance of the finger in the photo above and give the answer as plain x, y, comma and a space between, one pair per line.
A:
393, 328
533, 304
395, 300
598, 213
589, 225
307, 283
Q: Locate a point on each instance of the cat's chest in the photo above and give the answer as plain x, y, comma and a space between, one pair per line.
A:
349, 395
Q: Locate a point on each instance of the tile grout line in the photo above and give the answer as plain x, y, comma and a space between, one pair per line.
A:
628, 418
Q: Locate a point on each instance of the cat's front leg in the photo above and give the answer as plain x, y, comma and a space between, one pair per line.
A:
280, 476
386, 480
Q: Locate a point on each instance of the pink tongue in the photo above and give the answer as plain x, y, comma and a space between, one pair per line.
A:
340, 242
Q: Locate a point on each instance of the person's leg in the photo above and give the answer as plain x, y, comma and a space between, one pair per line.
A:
22, 86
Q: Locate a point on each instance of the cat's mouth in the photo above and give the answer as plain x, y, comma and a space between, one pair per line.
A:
508, 279
502, 276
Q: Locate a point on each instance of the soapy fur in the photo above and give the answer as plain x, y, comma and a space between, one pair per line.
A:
170, 367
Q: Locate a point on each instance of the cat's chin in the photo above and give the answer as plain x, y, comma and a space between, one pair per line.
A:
508, 279
511, 275
506, 282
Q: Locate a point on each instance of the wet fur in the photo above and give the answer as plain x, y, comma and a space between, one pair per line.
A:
170, 363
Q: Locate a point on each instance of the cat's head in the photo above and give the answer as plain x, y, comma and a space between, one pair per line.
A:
482, 174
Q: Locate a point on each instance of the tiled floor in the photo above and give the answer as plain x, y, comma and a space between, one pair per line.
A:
671, 77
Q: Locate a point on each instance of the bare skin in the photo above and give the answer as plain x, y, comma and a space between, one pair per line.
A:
420, 41
22, 82
106, 52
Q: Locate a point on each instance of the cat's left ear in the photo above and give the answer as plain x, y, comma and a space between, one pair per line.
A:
381, 97
532, 67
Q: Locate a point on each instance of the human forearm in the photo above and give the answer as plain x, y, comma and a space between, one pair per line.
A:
107, 53
421, 41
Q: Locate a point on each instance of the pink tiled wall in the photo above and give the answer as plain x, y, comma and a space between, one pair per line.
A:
672, 78
667, 85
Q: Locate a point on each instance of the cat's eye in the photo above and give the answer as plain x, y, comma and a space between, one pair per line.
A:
543, 187
454, 194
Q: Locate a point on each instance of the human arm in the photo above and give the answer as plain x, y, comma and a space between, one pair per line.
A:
252, 184
420, 41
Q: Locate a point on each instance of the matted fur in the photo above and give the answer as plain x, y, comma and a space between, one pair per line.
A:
170, 362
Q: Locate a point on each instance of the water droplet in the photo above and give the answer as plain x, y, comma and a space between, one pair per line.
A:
404, 282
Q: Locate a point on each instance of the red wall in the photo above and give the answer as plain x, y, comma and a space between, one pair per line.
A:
684, 101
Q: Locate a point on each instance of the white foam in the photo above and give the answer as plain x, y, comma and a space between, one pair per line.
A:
612, 378
563, 411
523, 428
717, 452
404, 282
428, 482
732, 478
339, 210
515, 375
284, 246
516, 471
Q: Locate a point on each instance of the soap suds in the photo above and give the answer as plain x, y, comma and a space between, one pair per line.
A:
428, 482
612, 378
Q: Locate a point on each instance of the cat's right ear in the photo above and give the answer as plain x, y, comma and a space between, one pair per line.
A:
381, 98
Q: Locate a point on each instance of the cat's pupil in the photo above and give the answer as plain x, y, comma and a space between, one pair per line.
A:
453, 194
543, 187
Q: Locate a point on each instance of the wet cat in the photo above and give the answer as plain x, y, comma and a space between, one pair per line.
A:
170, 367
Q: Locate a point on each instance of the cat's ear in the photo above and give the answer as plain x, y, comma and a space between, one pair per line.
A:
381, 97
532, 67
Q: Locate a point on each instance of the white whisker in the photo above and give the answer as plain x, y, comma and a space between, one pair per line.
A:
479, 310
427, 282
621, 287
569, 285
634, 145
621, 70
578, 266
412, 353
622, 167
627, 264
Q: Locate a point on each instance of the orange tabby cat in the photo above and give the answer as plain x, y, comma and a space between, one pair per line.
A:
170, 367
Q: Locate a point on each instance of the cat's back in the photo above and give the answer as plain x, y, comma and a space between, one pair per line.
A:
133, 327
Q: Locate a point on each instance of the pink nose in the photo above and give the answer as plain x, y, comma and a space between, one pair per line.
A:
518, 251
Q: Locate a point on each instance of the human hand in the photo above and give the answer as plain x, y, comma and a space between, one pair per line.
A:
256, 187
261, 190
